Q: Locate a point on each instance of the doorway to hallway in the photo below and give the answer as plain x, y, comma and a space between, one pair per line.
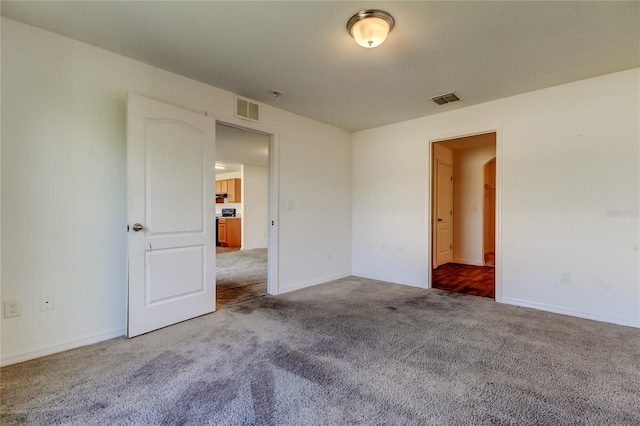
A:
463, 206
242, 214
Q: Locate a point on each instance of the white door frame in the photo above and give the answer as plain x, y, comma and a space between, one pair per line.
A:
492, 128
273, 282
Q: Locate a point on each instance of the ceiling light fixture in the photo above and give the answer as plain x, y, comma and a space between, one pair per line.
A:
220, 167
370, 27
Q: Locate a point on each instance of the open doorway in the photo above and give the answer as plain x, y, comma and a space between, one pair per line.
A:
242, 214
463, 206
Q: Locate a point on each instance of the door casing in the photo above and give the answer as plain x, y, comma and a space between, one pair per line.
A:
428, 220
273, 287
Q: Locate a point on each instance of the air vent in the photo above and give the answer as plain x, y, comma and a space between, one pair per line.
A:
440, 100
247, 110
446, 98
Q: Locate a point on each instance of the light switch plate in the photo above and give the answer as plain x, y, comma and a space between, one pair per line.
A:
46, 302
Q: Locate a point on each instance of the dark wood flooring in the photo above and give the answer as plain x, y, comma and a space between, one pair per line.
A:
467, 279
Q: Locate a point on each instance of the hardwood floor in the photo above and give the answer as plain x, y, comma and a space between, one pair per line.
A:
467, 279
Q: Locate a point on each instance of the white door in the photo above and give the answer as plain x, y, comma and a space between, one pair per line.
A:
444, 214
171, 214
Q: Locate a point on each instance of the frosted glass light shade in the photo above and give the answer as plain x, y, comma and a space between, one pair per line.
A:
370, 32
370, 27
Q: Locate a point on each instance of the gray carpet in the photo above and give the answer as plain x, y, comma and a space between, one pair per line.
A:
239, 268
240, 276
351, 352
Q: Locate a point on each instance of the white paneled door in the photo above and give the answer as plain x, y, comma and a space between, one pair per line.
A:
171, 214
444, 214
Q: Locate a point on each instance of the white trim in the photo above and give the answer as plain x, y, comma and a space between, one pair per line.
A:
468, 262
569, 312
454, 134
498, 230
273, 231
314, 282
49, 350
428, 208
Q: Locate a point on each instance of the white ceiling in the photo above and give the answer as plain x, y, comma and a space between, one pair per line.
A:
236, 146
482, 50
469, 142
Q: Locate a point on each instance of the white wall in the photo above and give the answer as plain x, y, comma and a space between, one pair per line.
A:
220, 175
569, 159
255, 200
468, 194
64, 186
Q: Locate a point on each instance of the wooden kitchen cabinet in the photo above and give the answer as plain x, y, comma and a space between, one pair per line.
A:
229, 232
231, 187
221, 186
233, 191
222, 232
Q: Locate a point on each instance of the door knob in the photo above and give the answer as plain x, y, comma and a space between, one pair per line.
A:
439, 220
137, 227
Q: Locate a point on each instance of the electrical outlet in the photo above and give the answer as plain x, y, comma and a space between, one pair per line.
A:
46, 302
565, 277
12, 308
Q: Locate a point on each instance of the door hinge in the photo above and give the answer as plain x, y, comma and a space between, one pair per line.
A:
450, 212
451, 178
450, 246
127, 228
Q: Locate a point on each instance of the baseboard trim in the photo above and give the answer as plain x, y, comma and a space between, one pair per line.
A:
50, 350
313, 282
467, 262
423, 285
569, 312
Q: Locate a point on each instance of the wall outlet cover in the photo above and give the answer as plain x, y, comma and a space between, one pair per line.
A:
12, 308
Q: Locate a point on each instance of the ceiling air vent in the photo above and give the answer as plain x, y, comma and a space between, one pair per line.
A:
445, 99
247, 109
